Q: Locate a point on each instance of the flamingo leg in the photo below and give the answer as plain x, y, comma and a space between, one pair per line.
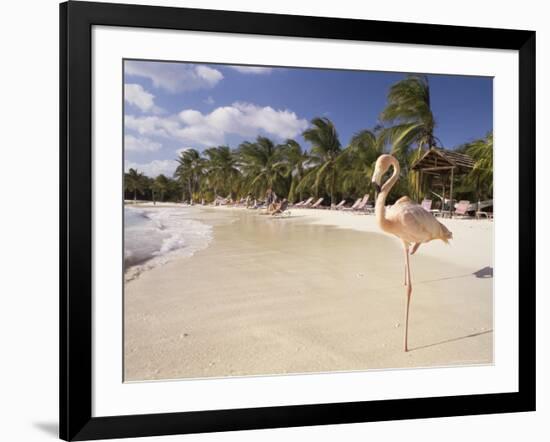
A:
406, 247
415, 248
408, 291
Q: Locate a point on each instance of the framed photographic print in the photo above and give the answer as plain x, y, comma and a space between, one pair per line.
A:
272, 220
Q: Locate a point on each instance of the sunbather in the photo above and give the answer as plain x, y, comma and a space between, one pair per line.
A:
281, 207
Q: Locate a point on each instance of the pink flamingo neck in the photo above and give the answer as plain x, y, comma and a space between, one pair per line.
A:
380, 207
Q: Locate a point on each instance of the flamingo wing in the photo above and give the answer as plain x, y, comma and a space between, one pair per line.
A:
416, 225
403, 200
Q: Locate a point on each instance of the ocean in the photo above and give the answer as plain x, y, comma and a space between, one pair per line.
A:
155, 236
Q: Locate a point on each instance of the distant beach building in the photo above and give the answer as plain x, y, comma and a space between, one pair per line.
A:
441, 166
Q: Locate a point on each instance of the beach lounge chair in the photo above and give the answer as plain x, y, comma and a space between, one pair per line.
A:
340, 205
317, 203
483, 213
462, 208
304, 203
362, 207
355, 204
220, 201
369, 209
426, 204
257, 204
445, 206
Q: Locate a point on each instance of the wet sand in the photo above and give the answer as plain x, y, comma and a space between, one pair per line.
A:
300, 295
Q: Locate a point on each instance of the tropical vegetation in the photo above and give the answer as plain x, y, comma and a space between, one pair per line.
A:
481, 176
325, 167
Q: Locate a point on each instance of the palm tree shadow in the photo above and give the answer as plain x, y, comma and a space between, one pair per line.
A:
447, 341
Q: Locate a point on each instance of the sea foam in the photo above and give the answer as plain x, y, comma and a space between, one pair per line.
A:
155, 236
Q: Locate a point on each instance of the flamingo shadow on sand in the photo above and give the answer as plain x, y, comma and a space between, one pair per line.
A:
448, 341
485, 272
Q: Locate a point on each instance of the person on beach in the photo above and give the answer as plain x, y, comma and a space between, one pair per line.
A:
276, 207
269, 196
280, 208
270, 200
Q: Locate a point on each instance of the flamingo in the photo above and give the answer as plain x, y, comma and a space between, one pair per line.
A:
405, 219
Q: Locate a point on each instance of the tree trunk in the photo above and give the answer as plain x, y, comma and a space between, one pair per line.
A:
135, 196
478, 195
300, 177
332, 189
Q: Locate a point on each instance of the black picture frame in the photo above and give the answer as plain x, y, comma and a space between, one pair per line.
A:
76, 21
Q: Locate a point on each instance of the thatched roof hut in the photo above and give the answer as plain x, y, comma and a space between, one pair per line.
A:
443, 165
437, 160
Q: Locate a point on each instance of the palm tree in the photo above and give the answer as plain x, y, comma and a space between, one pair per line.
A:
222, 169
410, 116
160, 185
357, 162
296, 159
134, 182
190, 170
325, 151
263, 165
148, 188
411, 122
481, 175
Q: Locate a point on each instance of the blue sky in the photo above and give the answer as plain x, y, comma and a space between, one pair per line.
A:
172, 106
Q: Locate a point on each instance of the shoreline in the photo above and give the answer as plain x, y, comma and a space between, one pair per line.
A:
367, 223
317, 291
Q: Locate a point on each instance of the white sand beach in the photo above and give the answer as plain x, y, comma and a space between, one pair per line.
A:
317, 291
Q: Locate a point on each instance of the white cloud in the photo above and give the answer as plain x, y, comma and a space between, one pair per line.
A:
165, 127
210, 75
139, 97
140, 144
243, 119
175, 77
154, 168
251, 69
